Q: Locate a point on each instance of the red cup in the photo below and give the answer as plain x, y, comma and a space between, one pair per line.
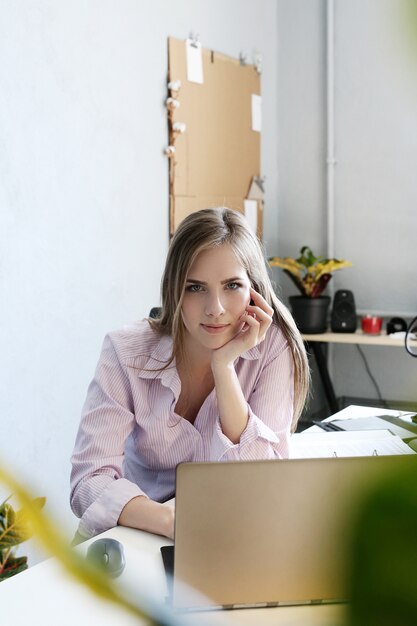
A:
371, 324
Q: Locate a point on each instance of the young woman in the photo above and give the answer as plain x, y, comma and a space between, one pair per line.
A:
221, 375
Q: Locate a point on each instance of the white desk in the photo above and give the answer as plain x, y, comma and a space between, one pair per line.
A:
45, 595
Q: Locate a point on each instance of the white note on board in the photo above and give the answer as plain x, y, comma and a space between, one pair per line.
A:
194, 61
256, 113
251, 213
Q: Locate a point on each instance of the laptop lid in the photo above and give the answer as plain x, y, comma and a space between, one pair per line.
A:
268, 532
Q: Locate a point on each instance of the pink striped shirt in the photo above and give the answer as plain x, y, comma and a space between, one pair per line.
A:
130, 439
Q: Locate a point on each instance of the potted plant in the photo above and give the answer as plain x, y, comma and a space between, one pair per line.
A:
15, 528
311, 275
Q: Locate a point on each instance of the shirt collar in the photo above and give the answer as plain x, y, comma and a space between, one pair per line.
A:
160, 356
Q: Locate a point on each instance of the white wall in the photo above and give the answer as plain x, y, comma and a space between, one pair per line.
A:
84, 196
301, 129
375, 181
376, 192
376, 139
84, 189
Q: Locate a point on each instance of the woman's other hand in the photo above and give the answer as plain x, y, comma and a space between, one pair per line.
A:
146, 514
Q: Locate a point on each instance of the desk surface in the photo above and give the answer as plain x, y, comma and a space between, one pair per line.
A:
357, 337
45, 594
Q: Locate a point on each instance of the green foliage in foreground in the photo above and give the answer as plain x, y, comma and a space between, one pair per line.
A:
15, 528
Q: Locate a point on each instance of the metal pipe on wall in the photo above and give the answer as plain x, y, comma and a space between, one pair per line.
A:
330, 158
330, 149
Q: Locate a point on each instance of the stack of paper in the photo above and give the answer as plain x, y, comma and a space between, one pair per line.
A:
377, 422
346, 443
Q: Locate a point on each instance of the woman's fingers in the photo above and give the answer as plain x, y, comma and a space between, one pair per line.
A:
260, 301
258, 321
261, 312
258, 313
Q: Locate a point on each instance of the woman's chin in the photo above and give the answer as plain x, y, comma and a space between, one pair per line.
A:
215, 342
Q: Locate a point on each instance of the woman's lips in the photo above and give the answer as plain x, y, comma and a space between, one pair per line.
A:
214, 329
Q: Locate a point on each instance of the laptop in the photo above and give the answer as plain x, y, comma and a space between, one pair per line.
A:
268, 533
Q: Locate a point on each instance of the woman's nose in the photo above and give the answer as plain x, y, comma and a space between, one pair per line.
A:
214, 305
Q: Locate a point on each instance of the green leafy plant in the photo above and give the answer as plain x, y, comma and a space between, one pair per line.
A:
308, 272
15, 528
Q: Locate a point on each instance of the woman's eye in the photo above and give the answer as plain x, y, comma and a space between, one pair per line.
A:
194, 288
233, 286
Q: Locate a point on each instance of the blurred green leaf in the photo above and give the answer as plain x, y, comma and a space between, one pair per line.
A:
15, 526
13, 566
384, 554
6, 515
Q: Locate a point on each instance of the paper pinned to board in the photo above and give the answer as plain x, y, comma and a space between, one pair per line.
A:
256, 189
251, 213
194, 57
344, 443
256, 113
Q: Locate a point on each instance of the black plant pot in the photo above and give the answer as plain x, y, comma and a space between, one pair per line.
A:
310, 314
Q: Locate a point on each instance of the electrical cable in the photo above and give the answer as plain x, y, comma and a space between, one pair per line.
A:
407, 340
378, 391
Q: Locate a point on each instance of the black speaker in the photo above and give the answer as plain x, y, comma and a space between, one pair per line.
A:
343, 317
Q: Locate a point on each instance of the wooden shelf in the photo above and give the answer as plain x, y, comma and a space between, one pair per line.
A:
357, 337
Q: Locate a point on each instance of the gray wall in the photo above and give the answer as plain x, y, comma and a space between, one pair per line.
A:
375, 91
84, 196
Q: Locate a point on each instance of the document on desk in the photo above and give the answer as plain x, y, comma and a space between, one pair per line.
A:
344, 443
377, 422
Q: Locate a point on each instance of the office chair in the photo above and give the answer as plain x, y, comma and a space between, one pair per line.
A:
155, 312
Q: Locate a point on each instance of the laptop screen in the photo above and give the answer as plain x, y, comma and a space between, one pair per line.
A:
262, 533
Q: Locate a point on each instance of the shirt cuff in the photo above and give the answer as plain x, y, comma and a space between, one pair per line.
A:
104, 512
255, 430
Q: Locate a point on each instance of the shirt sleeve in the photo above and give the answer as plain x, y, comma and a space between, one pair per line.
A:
98, 490
270, 408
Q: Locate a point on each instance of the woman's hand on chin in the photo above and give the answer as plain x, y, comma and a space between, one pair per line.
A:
255, 321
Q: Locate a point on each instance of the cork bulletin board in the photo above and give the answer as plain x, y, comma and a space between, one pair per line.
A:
216, 153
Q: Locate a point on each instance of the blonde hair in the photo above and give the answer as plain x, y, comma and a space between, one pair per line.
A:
206, 229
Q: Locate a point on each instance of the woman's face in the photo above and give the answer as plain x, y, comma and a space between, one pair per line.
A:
216, 294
